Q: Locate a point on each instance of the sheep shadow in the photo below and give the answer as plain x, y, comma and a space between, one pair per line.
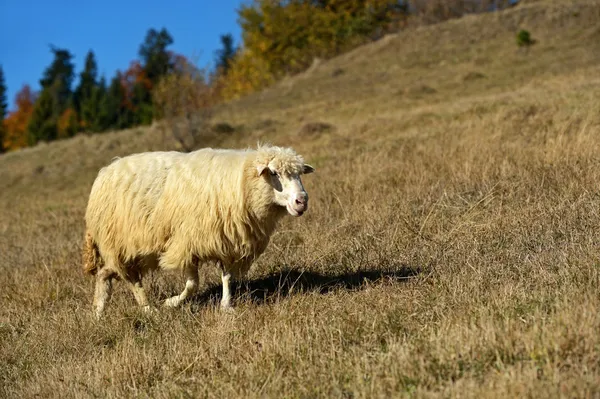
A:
292, 282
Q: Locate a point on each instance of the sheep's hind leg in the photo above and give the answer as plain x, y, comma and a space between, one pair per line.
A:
103, 290
191, 286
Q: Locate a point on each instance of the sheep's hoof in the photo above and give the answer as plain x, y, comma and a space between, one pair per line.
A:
172, 302
228, 309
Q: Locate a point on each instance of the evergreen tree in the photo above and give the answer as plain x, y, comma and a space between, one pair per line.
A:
55, 98
225, 54
58, 77
95, 106
67, 124
142, 104
3, 109
87, 84
90, 113
113, 112
156, 60
42, 125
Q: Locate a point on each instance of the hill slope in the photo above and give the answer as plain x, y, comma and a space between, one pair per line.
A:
451, 248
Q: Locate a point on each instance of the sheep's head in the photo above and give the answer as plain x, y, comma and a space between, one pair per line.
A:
282, 168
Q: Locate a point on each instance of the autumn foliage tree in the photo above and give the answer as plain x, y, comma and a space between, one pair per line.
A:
3, 109
281, 37
183, 100
17, 121
138, 93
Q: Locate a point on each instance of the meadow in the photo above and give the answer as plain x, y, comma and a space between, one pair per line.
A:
451, 248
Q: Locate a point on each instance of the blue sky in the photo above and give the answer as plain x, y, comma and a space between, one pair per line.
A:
113, 29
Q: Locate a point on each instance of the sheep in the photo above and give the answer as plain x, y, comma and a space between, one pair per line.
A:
172, 211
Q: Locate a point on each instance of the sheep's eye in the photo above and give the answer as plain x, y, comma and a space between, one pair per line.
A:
274, 174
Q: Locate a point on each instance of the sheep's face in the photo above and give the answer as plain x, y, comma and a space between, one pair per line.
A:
288, 190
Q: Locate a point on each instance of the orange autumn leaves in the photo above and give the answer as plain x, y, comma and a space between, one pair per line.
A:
16, 122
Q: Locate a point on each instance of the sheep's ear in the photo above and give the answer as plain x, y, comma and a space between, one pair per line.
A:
261, 169
307, 169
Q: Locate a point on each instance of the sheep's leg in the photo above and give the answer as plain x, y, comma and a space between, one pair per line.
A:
103, 290
133, 278
139, 293
226, 299
191, 286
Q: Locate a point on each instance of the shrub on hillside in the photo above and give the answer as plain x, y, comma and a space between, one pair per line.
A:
524, 38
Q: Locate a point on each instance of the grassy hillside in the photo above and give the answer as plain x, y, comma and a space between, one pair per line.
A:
451, 248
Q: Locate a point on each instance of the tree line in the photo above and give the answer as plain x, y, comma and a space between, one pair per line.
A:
60, 110
279, 37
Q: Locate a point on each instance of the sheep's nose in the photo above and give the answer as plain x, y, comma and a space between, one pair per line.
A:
301, 199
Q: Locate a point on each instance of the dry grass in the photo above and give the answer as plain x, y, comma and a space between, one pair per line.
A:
451, 248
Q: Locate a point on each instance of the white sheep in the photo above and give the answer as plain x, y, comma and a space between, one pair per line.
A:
173, 211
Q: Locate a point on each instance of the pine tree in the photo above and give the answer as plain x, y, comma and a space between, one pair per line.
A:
157, 62
141, 100
113, 112
85, 90
42, 125
93, 108
153, 52
3, 110
90, 109
67, 124
58, 77
225, 54
54, 100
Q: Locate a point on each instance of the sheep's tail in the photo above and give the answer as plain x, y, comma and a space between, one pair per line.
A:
92, 260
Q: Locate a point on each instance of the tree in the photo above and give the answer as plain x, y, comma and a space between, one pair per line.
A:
285, 36
55, 98
156, 60
3, 109
90, 113
67, 124
141, 105
225, 54
138, 93
58, 77
42, 125
114, 113
17, 121
85, 90
140, 78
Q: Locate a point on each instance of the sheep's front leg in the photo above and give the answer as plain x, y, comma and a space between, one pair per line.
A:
226, 299
133, 279
191, 286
